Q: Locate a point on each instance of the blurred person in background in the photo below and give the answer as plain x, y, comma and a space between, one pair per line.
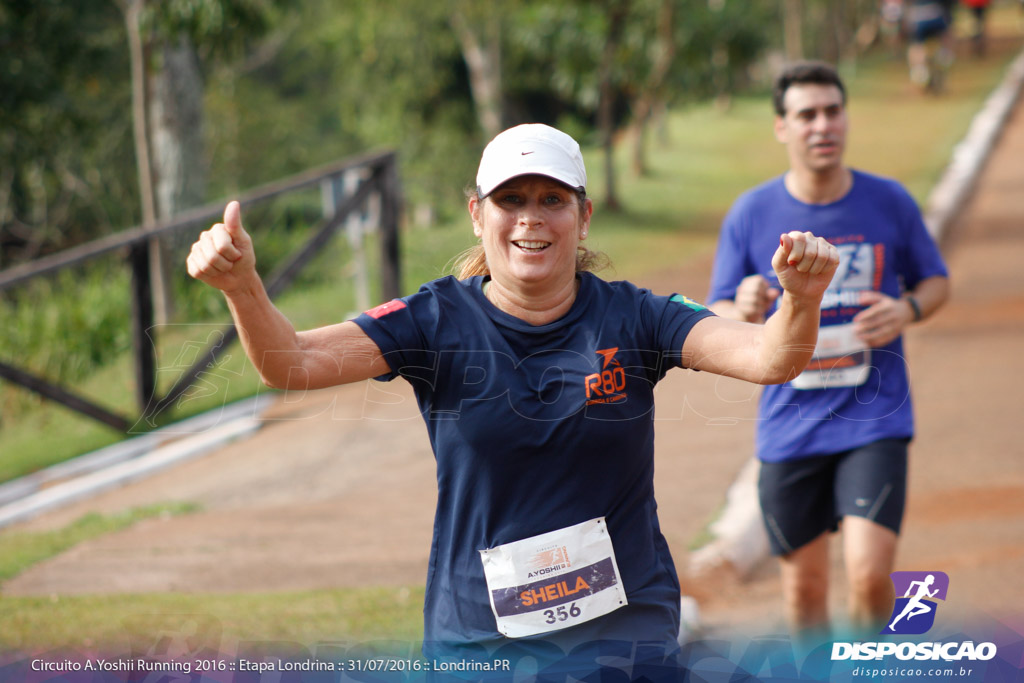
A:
930, 42
979, 35
832, 443
892, 25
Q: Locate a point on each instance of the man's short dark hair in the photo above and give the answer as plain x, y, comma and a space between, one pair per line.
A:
817, 73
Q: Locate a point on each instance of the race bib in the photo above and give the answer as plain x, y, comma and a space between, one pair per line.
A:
840, 359
554, 580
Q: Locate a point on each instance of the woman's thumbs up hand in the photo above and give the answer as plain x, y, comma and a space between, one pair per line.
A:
223, 256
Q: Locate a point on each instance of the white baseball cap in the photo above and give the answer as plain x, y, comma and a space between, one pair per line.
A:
531, 148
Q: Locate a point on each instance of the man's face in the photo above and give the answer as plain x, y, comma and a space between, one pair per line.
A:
813, 128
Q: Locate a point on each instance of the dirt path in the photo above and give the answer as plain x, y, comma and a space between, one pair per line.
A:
337, 488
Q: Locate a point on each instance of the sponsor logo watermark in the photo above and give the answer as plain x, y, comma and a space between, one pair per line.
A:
918, 595
914, 612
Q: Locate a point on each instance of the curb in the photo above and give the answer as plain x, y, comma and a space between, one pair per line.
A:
970, 154
128, 461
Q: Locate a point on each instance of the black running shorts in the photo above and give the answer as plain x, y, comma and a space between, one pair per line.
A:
801, 499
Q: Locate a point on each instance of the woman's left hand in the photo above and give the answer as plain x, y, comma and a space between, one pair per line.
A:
805, 265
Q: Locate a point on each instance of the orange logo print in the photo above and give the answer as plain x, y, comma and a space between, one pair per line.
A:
548, 561
607, 386
553, 557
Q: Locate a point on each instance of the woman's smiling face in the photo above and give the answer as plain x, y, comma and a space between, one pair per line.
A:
531, 227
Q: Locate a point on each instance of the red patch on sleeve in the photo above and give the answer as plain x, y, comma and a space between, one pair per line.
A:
384, 309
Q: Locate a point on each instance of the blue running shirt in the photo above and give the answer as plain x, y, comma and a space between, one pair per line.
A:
884, 247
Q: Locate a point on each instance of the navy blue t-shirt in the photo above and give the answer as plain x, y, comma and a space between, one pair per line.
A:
537, 428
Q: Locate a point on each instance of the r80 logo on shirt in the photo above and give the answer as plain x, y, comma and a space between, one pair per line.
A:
609, 385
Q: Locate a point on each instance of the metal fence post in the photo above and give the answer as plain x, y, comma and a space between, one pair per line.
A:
390, 264
355, 232
143, 331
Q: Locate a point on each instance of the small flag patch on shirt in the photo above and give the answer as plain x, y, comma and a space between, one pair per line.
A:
687, 301
384, 309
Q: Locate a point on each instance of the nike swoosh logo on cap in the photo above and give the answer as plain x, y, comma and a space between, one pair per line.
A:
525, 153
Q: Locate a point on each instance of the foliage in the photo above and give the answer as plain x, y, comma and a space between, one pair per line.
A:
291, 87
718, 44
557, 46
63, 133
68, 325
220, 27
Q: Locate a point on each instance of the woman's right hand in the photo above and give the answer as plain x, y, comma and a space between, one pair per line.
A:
223, 256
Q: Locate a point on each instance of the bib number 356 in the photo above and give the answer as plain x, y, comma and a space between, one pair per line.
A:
560, 613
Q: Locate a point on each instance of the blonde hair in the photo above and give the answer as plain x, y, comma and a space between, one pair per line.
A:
473, 261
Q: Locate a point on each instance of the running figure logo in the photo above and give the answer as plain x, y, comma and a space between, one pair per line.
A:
914, 612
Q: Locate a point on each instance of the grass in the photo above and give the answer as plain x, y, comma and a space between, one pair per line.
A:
287, 618
20, 550
706, 158
31, 623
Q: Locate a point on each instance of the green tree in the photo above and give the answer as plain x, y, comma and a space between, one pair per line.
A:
831, 30
606, 66
63, 178
351, 77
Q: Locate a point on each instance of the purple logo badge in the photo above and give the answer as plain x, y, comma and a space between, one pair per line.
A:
916, 596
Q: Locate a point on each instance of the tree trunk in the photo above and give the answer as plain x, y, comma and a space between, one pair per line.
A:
832, 32
792, 18
176, 119
139, 53
641, 118
484, 65
651, 94
617, 12
176, 146
132, 10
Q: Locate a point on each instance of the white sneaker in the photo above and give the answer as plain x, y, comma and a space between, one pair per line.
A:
689, 620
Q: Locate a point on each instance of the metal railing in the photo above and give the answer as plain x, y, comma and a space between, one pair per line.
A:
346, 187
